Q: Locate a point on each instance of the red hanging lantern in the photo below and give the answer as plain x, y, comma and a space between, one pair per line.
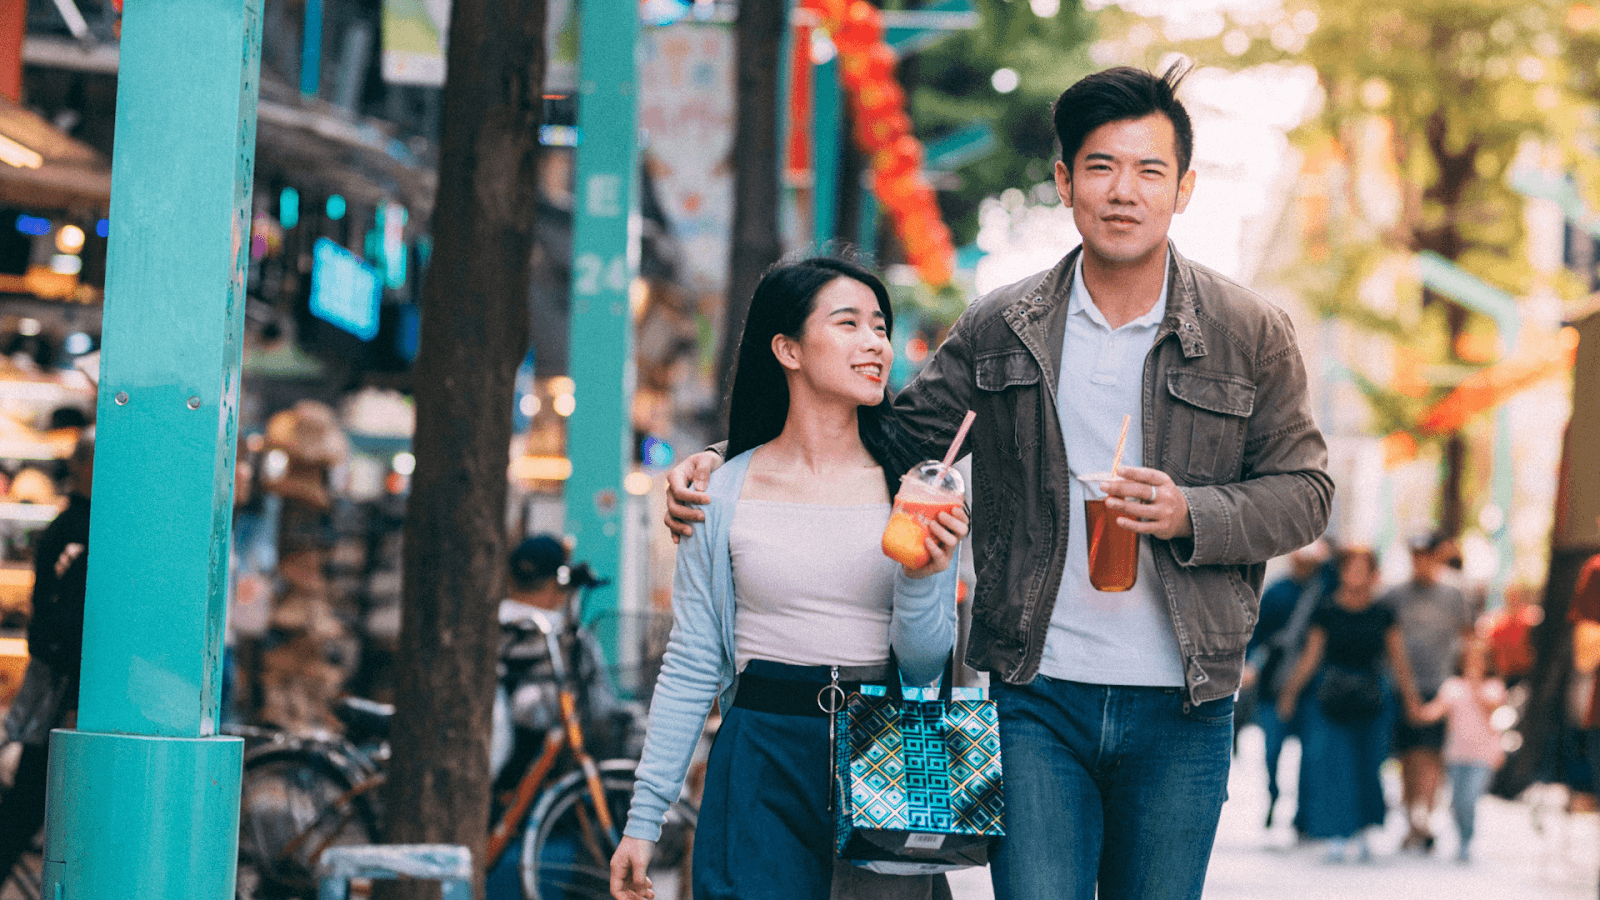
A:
883, 130
860, 28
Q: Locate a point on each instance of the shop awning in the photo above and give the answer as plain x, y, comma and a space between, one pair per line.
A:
307, 142
43, 168
315, 145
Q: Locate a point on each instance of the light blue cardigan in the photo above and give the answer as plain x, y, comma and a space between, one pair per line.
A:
699, 663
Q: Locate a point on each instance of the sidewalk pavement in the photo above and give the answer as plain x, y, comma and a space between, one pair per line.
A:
1530, 849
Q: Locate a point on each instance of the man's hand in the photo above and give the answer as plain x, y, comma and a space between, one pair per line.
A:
686, 485
628, 867
1149, 503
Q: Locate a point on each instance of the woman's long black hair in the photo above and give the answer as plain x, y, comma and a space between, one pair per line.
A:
760, 400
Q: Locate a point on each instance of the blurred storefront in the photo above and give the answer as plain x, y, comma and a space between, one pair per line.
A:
344, 180
54, 191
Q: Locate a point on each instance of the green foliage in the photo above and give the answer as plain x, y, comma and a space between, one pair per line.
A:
951, 89
1459, 88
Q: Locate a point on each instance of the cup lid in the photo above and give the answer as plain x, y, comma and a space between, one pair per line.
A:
932, 473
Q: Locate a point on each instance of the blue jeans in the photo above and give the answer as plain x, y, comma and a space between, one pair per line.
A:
1118, 787
1274, 732
1468, 781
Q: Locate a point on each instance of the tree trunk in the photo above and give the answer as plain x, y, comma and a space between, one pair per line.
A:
758, 43
474, 335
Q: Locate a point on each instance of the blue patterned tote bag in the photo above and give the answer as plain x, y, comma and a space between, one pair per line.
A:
917, 781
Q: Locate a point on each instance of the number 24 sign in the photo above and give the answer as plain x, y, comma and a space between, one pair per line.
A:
591, 274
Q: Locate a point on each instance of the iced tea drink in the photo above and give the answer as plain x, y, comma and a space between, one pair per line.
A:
1113, 550
931, 489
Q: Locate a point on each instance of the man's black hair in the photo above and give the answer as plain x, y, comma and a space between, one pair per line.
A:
1118, 95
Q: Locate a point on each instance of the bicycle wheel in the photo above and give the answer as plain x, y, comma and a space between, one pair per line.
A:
22, 882
565, 855
287, 797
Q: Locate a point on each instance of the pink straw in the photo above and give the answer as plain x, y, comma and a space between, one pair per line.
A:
955, 445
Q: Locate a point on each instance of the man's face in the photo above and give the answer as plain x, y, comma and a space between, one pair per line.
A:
1124, 188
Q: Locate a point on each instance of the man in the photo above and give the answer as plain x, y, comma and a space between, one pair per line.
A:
1509, 631
1116, 708
542, 584
1434, 618
1286, 608
49, 695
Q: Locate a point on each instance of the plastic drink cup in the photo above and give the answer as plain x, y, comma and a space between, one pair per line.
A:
931, 489
1113, 550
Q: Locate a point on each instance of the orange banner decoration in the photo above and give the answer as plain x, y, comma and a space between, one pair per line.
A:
883, 130
1488, 388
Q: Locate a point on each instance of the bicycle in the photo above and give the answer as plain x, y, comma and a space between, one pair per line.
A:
303, 794
23, 881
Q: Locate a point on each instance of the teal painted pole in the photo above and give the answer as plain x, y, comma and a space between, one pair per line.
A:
827, 120
868, 231
144, 794
604, 259
1472, 292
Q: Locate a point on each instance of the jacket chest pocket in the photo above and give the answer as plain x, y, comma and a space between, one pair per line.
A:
1009, 382
1206, 425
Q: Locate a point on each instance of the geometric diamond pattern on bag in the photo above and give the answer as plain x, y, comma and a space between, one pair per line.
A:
918, 765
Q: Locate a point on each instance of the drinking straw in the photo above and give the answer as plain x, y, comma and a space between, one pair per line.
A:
1116, 459
961, 435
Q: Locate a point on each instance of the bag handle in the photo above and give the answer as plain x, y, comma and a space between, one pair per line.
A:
895, 689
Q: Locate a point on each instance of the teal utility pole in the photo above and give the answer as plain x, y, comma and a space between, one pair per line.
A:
604, 259
827, 138
1440, 274
144, 795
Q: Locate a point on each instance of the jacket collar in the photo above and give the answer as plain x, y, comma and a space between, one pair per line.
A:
1182, 317
1039, 315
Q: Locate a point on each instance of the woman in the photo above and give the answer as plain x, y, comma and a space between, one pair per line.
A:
1349, 708
785, 583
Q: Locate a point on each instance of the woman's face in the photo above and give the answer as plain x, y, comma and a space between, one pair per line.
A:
1357, 577
844, 348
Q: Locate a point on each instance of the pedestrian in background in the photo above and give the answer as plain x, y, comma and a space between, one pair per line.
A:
1509, 631
786, 584
1350, 708
48, 697
1584, 614
1472, 750
1435, 618
1286, 607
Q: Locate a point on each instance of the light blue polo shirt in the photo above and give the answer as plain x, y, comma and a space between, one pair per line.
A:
1097, 637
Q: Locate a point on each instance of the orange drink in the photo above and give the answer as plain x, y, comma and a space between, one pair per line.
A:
931, 489
1113, 550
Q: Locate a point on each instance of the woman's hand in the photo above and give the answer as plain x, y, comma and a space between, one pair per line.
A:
1286, 705
944, 533
628, 867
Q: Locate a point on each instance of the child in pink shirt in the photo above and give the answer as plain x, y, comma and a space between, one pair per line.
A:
1472, 750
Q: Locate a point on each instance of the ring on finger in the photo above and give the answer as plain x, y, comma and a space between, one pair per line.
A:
1152, 493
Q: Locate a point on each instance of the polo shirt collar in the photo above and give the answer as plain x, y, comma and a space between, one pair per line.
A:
1079, 302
